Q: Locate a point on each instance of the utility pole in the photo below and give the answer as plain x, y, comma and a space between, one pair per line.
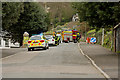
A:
102, 36
112, 38
85, 27
85, 31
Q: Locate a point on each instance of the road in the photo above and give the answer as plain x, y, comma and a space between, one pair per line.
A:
63, 61
103, 57
11, 51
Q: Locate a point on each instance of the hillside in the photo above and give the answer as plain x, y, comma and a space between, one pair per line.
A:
59, 11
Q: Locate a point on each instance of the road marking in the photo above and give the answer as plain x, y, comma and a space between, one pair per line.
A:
94, 64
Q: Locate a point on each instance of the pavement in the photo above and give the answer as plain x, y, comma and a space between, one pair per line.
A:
62, 61
103, 57
10, 51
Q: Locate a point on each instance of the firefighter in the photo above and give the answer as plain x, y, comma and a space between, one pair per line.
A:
59, 37
78, 37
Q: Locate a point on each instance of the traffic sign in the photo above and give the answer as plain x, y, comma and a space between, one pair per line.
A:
93, 40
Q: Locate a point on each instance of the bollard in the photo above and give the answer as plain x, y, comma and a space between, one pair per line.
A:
88, 40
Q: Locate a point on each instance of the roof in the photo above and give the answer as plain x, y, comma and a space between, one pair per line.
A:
36, 35
117, 26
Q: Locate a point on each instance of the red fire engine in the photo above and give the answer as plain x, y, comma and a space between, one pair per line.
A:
74, 33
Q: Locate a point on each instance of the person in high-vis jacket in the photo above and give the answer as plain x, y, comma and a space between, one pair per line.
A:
78, 37
56, 40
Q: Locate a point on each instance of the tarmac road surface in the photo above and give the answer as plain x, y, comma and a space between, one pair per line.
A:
62, 61
10, 51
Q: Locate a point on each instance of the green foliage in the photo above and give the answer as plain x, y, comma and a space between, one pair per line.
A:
100, 31
107, 39
30, 17
49, 32
33, 18
118, 52
47, 20
60, 12
91, 31
93, 35
103, 14
10, 14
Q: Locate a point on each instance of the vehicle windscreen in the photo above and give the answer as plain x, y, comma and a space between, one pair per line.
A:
48, 37
35, 38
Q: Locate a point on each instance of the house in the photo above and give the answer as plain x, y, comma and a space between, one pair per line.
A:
75, 17
117, 38
5, 40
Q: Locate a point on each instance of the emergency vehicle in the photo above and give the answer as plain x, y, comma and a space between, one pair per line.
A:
50, 39
37, 41
67, 36
74, 35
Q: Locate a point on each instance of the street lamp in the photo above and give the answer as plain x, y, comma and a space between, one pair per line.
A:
85, 30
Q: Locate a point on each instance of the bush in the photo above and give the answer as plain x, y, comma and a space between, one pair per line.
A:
107, 39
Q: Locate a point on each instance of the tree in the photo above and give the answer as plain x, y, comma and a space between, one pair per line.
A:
33, 19
59, 12
47, 20
10, 14
99, 14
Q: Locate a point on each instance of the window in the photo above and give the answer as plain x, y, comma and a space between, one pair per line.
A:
35, 38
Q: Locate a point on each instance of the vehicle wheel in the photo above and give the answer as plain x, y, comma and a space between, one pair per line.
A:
56, 43
75, 41
45, 48
48, 46
68, 41
29, 49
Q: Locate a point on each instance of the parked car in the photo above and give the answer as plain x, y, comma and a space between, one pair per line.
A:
50, 39
15, 45
37, 41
